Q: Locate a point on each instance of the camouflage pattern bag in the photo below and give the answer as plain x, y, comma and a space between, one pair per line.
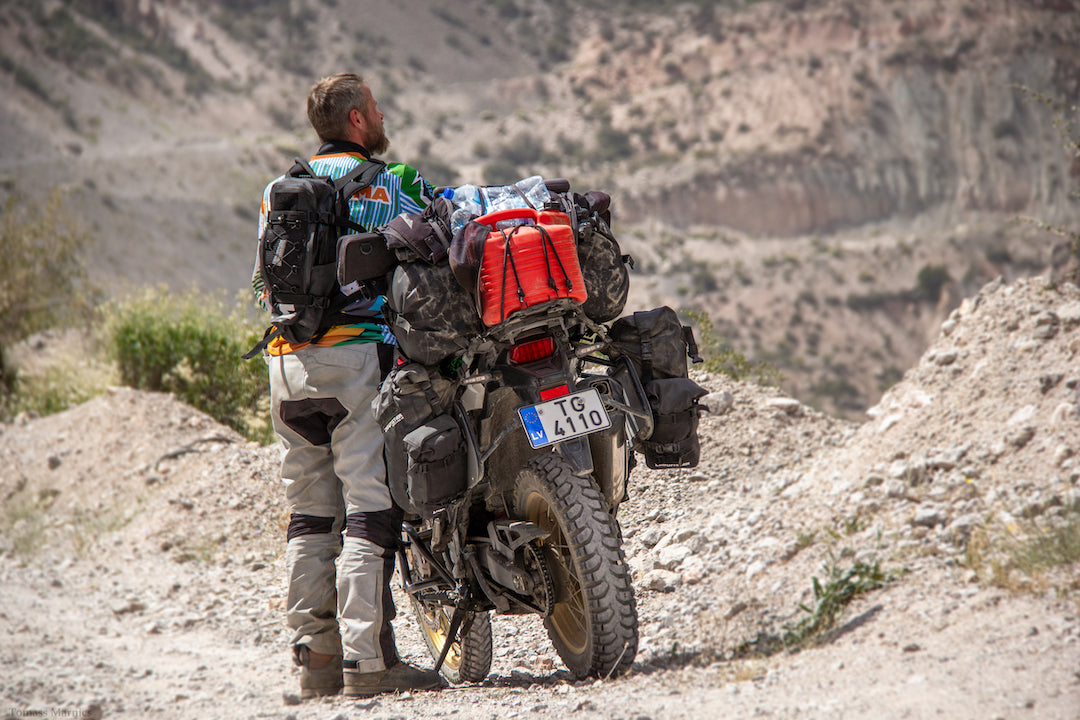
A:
603, 267
431, 315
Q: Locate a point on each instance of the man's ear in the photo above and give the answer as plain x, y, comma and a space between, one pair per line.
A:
357, 124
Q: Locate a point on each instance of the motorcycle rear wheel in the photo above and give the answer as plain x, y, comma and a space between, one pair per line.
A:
469, 659
593, 624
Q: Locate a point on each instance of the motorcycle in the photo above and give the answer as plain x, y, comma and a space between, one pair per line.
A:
548, 424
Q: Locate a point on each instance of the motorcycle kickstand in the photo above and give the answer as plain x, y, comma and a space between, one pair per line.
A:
452, 632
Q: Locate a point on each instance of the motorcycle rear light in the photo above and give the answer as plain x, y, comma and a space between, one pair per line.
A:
552, 393
532, 350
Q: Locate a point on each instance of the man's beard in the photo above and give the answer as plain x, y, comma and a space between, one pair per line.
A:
380, 144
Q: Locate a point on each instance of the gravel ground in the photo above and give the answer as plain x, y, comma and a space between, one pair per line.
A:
141, 564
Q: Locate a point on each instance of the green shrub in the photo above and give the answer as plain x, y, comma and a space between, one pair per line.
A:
931, 280
721, 357
41, 268
1034, 555
189, 345
500, 172
40, 278
831, 598
613, 144
73, 371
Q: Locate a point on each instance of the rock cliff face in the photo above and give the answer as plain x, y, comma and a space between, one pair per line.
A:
803, 118
788, 168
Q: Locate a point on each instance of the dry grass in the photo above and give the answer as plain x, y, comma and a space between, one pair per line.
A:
1034, 557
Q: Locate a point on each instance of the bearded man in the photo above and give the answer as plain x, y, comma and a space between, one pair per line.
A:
333, 468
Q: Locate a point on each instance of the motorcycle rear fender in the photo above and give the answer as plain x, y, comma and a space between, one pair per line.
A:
576, 451
528, 380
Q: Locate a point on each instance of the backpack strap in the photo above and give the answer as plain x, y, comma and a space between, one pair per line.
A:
271, 333
346, 186
691, 344
333, 307
359, 177
355, 180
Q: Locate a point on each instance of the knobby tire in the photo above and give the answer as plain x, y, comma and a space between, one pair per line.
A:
594, 624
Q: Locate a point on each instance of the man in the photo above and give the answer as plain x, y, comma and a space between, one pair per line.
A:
333, 469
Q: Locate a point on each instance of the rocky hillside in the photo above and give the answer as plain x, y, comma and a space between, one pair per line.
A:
141, 567
789, 169
802, 117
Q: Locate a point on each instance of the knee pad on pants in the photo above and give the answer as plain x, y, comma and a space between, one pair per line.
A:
309, 525
382, 527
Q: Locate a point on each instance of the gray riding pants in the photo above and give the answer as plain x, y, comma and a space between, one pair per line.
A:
339, 598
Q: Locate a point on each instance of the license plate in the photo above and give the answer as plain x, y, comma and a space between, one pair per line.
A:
563, 418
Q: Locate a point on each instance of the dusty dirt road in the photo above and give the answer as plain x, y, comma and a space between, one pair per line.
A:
141, 572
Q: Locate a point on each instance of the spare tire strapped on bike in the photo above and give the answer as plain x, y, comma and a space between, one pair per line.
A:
657, 344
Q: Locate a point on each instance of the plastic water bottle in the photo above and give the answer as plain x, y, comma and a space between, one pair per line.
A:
466, 199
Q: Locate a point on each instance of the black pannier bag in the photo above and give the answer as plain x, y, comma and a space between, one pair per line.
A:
674, 440
657, 345
656, 342
438, 466
412, 396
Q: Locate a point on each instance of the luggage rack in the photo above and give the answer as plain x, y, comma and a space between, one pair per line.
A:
558, 317
555, 316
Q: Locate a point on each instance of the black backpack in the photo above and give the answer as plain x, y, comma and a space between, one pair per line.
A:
298, 250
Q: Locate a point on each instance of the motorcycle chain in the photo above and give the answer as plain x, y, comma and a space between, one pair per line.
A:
536, 560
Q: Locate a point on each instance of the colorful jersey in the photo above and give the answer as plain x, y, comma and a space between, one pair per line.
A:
398, 189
